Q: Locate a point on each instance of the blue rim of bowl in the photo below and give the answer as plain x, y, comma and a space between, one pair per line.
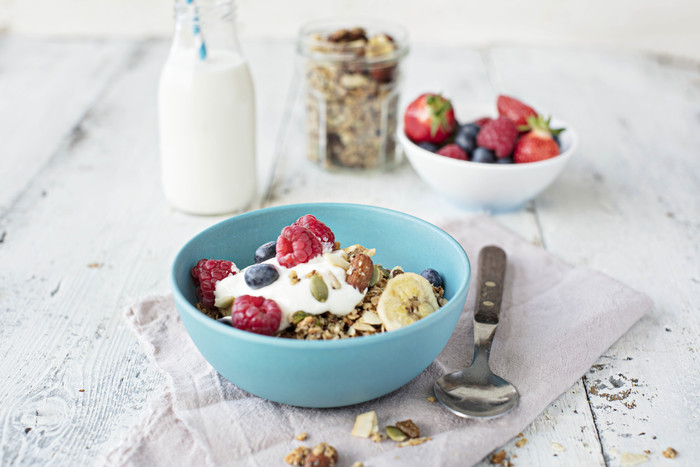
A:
330, 344
572, 135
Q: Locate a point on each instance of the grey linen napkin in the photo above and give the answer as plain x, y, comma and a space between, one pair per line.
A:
556, 320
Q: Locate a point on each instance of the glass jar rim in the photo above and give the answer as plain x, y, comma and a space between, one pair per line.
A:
308, 41
205, 10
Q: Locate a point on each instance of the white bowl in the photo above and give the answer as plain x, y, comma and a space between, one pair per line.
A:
488, 187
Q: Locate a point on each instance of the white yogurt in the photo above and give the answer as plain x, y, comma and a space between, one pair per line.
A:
207, 132
295, 297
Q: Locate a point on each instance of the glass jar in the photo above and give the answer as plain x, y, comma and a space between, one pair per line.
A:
352, 75
206, 113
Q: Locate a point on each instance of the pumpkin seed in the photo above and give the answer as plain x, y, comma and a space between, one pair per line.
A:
298, 316
396, 434
319, 289
378, 272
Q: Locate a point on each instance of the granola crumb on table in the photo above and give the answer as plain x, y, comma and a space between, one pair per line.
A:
297, 456
670, 453
322, 455
414, 441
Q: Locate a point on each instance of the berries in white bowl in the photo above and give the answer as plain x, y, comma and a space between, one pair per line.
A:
493, 163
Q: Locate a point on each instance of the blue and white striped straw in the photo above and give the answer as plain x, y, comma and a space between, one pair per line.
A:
198, 38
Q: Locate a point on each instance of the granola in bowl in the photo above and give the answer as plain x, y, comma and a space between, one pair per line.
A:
352, 77
304, 286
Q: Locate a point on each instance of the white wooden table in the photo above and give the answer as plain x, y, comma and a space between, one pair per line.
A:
85, 231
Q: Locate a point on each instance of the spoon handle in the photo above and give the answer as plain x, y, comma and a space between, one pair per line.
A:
492, 269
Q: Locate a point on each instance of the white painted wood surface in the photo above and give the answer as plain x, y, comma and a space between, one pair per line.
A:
84, 231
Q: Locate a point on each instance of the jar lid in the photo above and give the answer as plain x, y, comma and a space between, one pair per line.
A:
352, 39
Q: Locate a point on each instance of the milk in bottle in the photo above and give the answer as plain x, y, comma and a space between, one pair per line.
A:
206, 112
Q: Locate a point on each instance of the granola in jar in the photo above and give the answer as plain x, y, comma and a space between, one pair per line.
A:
352, 76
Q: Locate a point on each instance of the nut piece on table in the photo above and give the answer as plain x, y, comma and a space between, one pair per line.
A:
322, 455
408, 427
297, 456
365, 424
498, 457
669, 453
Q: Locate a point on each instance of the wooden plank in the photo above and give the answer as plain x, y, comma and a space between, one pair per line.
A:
112, 240
629, 206
47, 87
72, 372
564, 434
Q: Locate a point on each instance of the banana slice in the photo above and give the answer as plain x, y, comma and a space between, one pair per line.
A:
407, 298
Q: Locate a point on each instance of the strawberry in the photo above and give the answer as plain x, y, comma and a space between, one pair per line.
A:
429, 118
537, 144
453, 151
514, 110
498, 135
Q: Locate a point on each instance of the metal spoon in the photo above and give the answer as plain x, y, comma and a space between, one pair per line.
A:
226, 320
476, 392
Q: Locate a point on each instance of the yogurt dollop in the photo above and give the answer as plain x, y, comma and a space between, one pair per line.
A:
294, 294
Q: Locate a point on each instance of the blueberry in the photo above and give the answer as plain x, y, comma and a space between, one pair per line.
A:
504, 160
266, 251
471, 129
465, 142
466, 137
260, 275
483, 155
433, 277
556, 140
432, 147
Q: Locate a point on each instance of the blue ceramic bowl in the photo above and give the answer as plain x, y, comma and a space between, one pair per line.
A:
325, 373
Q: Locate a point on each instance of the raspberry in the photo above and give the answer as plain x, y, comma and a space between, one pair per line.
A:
318, 228
482, 121
498, 135
206, 273
296, 245
256, 314
453, 151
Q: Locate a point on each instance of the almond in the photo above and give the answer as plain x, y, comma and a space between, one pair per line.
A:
360, 271
365, 424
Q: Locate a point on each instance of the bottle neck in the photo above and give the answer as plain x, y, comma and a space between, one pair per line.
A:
205, 26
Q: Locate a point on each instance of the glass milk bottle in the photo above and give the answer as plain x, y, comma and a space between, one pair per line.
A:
206, 113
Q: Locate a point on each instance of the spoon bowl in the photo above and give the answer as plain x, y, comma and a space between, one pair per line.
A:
466, 394
476, 392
